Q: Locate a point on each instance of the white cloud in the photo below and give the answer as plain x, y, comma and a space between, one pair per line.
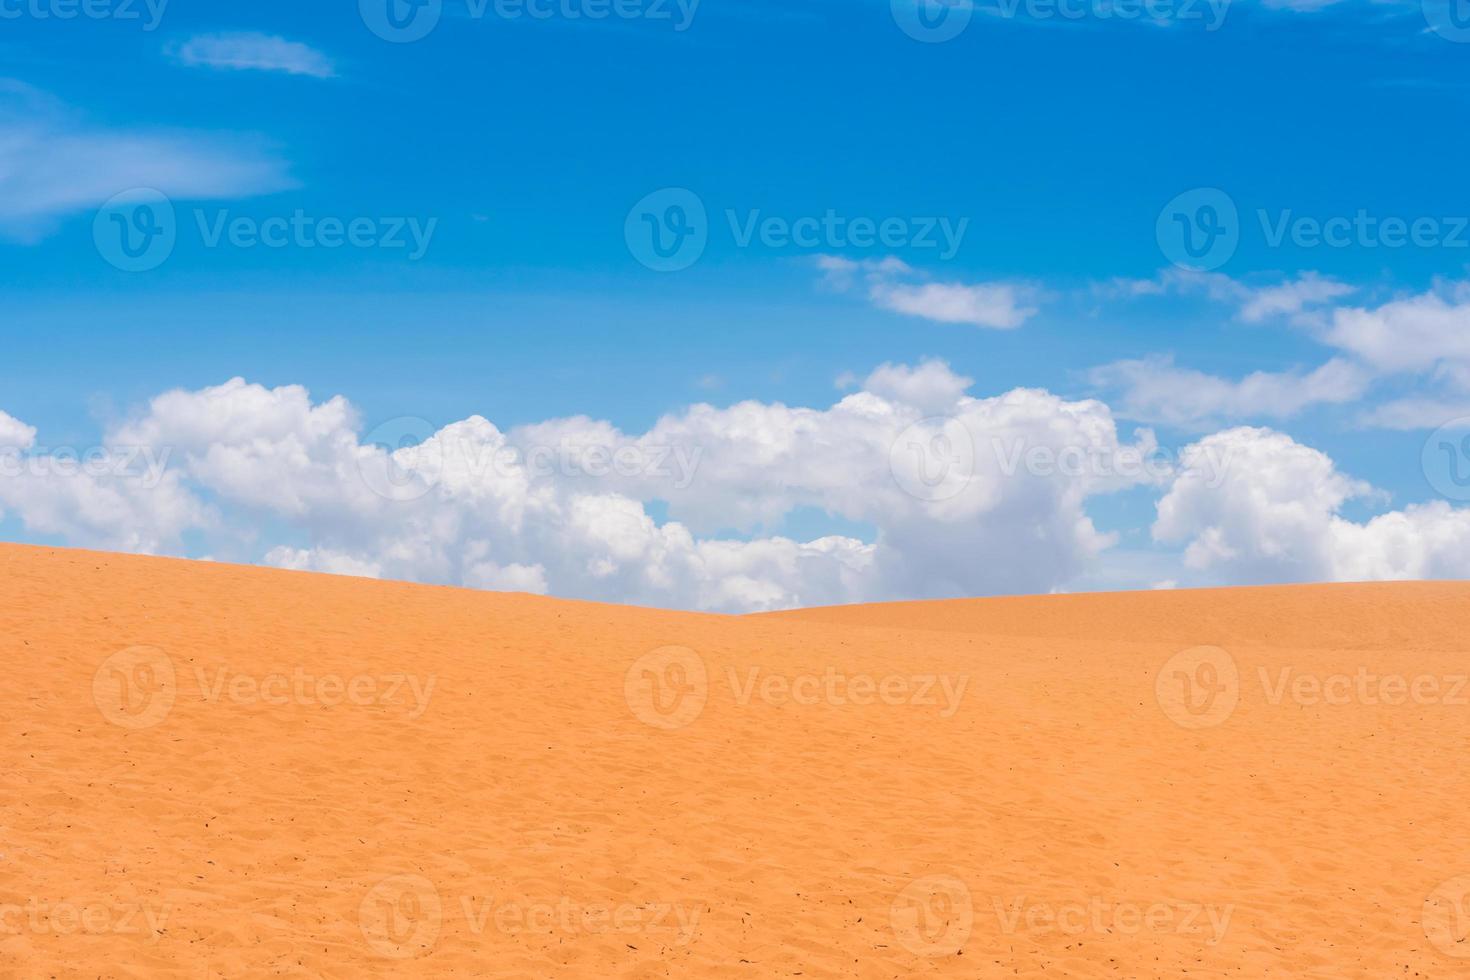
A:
1428, 332
567, 506
893, 285
1156, 390
254, 51
1276, 517
1002, 306
1416, 413
322, 560
1294, 299
931, 386
564, 506
1291, 298
119, 499
15, 434
506, 578
54, 164
1424, 334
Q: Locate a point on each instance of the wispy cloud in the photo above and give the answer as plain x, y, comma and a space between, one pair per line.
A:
53, 163
1291, 298
1155, 390
893, 285
250, 51
1408, 414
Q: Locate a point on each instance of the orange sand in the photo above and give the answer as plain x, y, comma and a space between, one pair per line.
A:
214, 771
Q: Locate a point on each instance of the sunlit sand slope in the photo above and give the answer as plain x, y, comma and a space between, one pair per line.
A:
214, 771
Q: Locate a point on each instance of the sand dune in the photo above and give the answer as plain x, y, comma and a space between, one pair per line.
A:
215, 771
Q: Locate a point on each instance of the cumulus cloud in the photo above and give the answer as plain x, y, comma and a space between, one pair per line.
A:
114, 496
948, 484
930, 386
958, 495
53, 163
1275, 517
893, 285
15, 434
245, 50
1424, 333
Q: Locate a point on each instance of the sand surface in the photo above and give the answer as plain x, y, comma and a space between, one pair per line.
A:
214, 771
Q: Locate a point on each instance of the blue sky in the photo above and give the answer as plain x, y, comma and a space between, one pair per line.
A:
520, 146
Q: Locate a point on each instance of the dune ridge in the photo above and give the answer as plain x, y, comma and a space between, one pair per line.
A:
215, 771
